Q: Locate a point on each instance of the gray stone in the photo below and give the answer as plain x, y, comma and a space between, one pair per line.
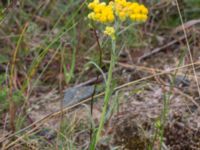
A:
77, 94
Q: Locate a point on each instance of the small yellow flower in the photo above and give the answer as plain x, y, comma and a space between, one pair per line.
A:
91, 15
110, 31
93, 4
111, 4
122, 16
101, 12
143, 17
111, 17
133, 17
143, 9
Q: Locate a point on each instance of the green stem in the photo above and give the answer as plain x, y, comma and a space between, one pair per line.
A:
107, 96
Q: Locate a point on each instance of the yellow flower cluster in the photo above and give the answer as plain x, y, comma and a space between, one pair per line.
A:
110, 31
132, 10
101, 12
105, 13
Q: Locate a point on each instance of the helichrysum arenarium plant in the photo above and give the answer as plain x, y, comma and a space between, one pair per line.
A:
111, 15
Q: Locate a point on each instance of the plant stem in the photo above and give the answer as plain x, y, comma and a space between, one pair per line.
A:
107, 96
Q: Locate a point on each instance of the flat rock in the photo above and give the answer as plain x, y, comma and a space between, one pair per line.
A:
77, 94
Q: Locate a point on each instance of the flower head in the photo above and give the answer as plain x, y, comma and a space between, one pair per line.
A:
101, 12
110, 31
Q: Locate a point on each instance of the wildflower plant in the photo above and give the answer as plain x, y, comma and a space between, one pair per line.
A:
111, 15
